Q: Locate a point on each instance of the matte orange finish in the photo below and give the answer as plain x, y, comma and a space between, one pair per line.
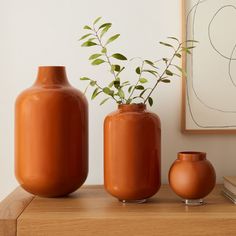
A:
51, 135
191, 176
132, 153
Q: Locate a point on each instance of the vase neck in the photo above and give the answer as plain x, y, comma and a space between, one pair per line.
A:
191, 156
132, 107
51, 75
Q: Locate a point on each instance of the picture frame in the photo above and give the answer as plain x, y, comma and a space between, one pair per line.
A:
203, 110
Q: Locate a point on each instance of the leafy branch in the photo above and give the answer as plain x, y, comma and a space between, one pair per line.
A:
94, 38
147, 71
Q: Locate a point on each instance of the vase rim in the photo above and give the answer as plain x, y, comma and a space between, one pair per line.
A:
132, 107
62, 67
191, 156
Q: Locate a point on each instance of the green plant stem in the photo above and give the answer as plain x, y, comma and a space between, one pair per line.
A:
141, 71
164, 72
118, 73
107, 57
102, 90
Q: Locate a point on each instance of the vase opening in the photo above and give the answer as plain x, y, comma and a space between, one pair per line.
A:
132, 107
191, 156
51, 75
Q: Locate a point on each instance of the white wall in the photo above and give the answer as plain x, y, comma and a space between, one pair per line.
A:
45, 32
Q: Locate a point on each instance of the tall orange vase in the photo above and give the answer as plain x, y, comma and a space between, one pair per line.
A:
51, 135
132, 153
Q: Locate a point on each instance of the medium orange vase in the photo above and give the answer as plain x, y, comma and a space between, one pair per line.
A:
132, 149
192, 177
51, 135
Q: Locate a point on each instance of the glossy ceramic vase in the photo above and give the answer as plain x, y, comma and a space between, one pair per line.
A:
132, 153
192, 177
51, 135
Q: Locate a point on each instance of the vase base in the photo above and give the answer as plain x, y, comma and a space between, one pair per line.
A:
133, 201
193, 202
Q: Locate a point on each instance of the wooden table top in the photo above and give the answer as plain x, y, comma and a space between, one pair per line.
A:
91, 210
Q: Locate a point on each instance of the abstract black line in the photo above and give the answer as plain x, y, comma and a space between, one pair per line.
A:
230, 62
209, 31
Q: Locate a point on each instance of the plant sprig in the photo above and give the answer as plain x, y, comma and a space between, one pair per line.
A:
149, 70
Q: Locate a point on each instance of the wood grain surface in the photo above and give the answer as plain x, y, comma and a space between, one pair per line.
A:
91, 211
11, 208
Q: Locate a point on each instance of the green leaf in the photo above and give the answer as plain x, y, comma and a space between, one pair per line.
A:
186, 50
85, 78
150, 101
84, 36
130, 88
191, 47
129, 101
126, 83
94, 56
116, 68
97, 62
139, 87
91, 39
99, 18
141, 94
105, 25
117, 83
168, 72
106, 90
153, 72
181, 70
93, 82
111, 84
111, 39
95, 93
189, 52
138, 70
165, 60
122, 69
104, 50
143, 80
121, 93
119, 56
149, 62
137, 97
103, 101
173, 38
88, 44
105, 30
87, 27
165, 80
191, 41
166, 44
178, 55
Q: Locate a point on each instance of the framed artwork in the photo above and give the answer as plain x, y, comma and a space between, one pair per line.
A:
209, 87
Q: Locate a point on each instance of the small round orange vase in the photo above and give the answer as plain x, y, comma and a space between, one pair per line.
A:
51, 135
132, 149
192, 177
